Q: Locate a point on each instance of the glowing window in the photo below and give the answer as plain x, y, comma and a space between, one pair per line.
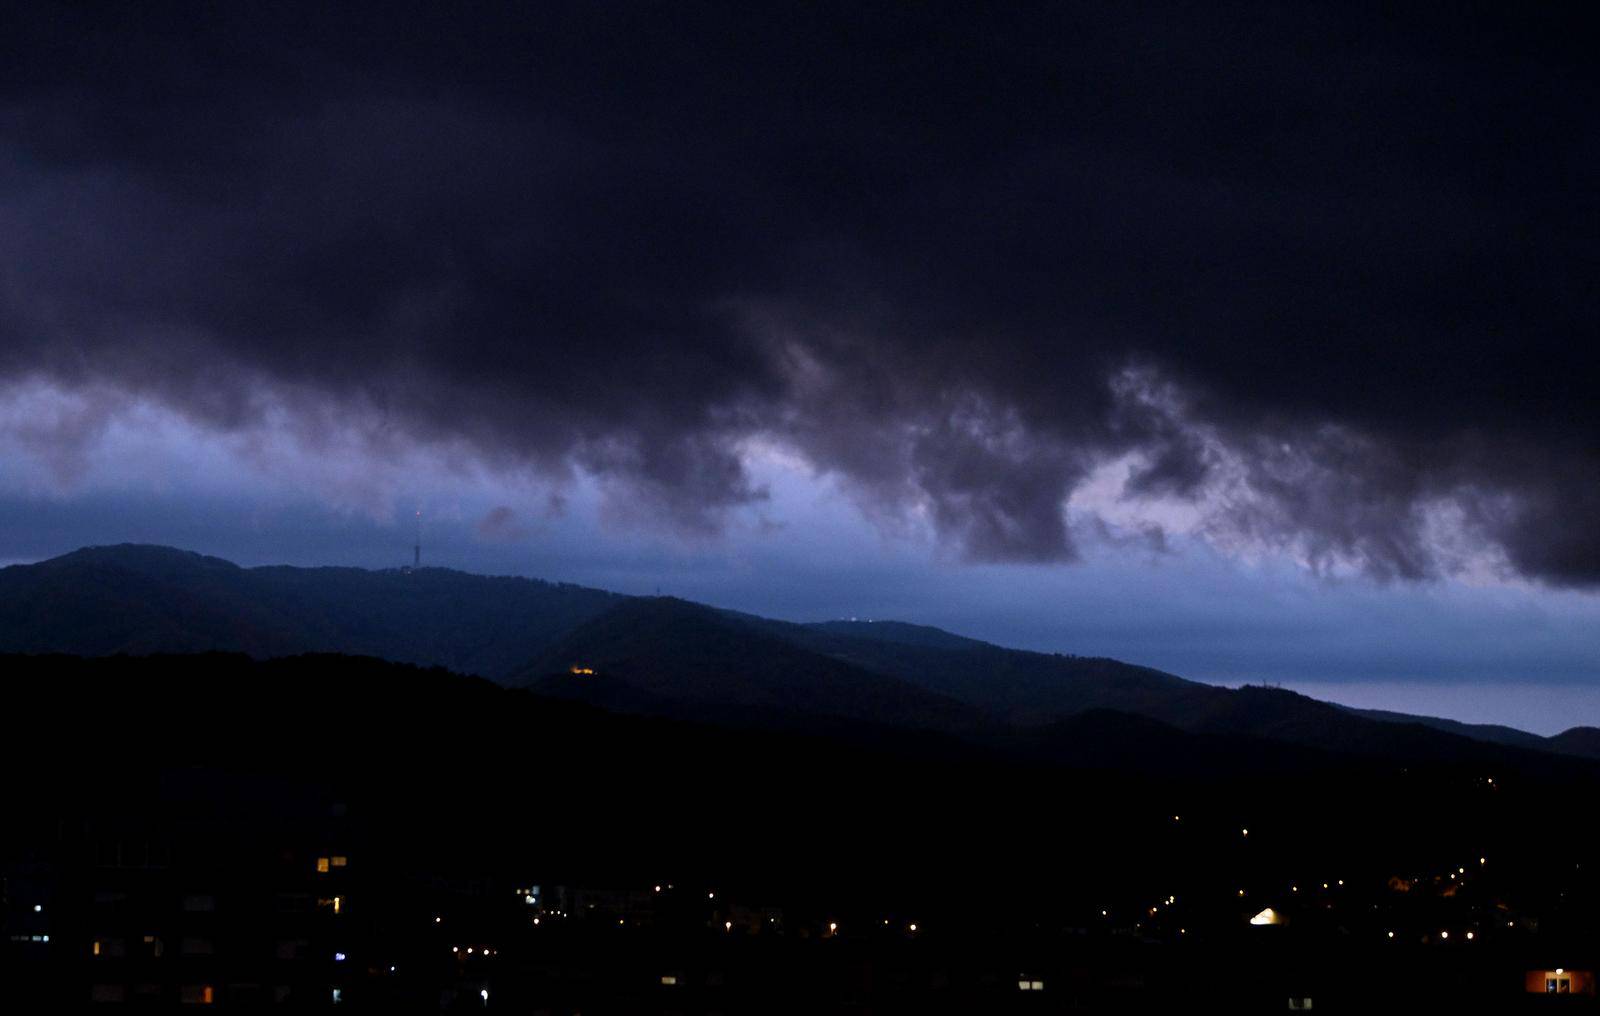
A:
197, 994
668, 979
338, 861
322, 865
1030, 985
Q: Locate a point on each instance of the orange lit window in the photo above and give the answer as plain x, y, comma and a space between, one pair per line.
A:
207, 996
322, 865
339, 862
97, 948
338, 904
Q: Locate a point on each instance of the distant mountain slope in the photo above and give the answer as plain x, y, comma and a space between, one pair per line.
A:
1578, 741
662, 656
1491, 732
1023, 687
139, 599
651, 651
899, 633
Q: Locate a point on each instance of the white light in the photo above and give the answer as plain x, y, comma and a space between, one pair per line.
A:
832, 927
1391, 934
1559, 971
913, 927
338, 957
1244, 832
484, 994
1444, 934
1469, 936
535, 920
438, 920
38, 909
711, 896
727, 925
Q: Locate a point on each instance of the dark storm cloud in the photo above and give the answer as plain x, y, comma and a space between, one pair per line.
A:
1325, 271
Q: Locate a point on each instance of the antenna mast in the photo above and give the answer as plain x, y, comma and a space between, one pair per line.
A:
416, 558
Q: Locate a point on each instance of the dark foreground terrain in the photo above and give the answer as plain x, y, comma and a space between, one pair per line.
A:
327, 830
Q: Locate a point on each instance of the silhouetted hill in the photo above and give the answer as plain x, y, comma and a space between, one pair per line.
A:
899, 633
1020, 686
1579, 741
665, 657
1492, 732
649, 652
138, 600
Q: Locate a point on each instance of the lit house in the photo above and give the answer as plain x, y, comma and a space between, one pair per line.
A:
1559, 981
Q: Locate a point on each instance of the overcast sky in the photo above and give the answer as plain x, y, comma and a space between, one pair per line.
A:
1254, 344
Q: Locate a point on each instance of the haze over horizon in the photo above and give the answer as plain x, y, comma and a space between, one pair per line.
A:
1139, 337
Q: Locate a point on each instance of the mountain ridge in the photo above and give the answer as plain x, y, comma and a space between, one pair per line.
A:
655, 654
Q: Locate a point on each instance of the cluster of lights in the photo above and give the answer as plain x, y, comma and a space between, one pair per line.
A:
474, 950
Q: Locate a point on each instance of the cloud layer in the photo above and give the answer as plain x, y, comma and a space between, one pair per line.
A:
1315, 281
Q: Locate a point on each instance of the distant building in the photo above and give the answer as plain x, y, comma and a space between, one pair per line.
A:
1560, 981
